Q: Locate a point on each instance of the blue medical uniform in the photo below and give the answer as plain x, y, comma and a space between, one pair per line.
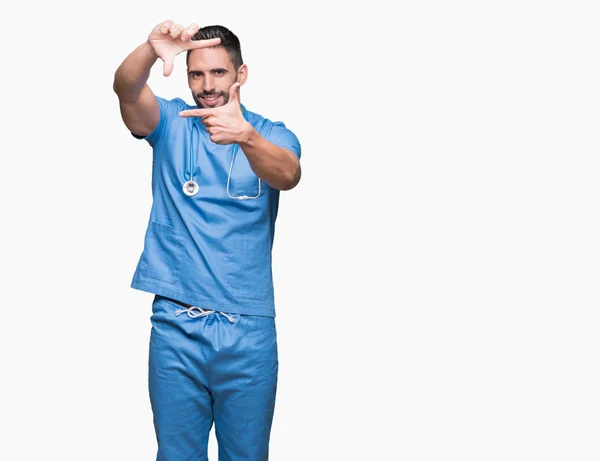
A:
217, 360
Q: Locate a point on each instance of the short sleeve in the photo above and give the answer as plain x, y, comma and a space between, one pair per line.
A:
168, 111
281, 136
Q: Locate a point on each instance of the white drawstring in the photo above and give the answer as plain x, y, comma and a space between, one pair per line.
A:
191, 312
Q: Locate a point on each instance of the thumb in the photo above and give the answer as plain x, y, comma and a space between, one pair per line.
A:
167, 66
234, 94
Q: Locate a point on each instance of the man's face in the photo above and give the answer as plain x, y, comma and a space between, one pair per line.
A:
210, 75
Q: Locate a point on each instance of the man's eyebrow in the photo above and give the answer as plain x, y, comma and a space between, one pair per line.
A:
216, 69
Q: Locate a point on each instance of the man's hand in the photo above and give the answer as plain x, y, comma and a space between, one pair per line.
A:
226, 124
169, 39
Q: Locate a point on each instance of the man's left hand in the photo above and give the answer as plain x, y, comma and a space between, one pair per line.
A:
225, 124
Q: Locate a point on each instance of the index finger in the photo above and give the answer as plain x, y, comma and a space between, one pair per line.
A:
197, 113
195, 44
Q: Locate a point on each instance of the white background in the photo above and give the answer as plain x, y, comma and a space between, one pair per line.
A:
436, 269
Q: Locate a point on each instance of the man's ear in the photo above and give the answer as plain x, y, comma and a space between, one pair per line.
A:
242, 74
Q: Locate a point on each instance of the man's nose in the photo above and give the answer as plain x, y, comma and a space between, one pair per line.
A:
209, 84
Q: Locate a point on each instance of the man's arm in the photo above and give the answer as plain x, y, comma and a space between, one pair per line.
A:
139, 108
279, 167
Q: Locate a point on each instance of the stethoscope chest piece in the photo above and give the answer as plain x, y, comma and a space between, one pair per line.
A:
190, 188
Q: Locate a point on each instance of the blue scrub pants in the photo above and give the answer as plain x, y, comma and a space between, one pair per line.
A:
206, 368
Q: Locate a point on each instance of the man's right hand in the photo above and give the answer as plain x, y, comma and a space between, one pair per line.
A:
168, 39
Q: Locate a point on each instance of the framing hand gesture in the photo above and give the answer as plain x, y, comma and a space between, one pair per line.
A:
226, 124
169, 39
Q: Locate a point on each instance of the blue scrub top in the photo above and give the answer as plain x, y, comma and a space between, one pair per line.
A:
209, 250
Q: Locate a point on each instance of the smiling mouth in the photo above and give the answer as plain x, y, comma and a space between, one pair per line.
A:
212, 100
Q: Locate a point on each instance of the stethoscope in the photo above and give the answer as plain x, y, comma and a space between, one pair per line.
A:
190, 187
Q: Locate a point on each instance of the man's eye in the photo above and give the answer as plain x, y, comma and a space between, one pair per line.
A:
219, 72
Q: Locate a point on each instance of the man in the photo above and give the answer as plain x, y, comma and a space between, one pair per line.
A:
216, 175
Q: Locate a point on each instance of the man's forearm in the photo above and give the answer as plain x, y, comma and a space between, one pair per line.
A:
133, 73
277, 166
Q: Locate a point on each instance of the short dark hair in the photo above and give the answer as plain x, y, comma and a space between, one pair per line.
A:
229, 41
